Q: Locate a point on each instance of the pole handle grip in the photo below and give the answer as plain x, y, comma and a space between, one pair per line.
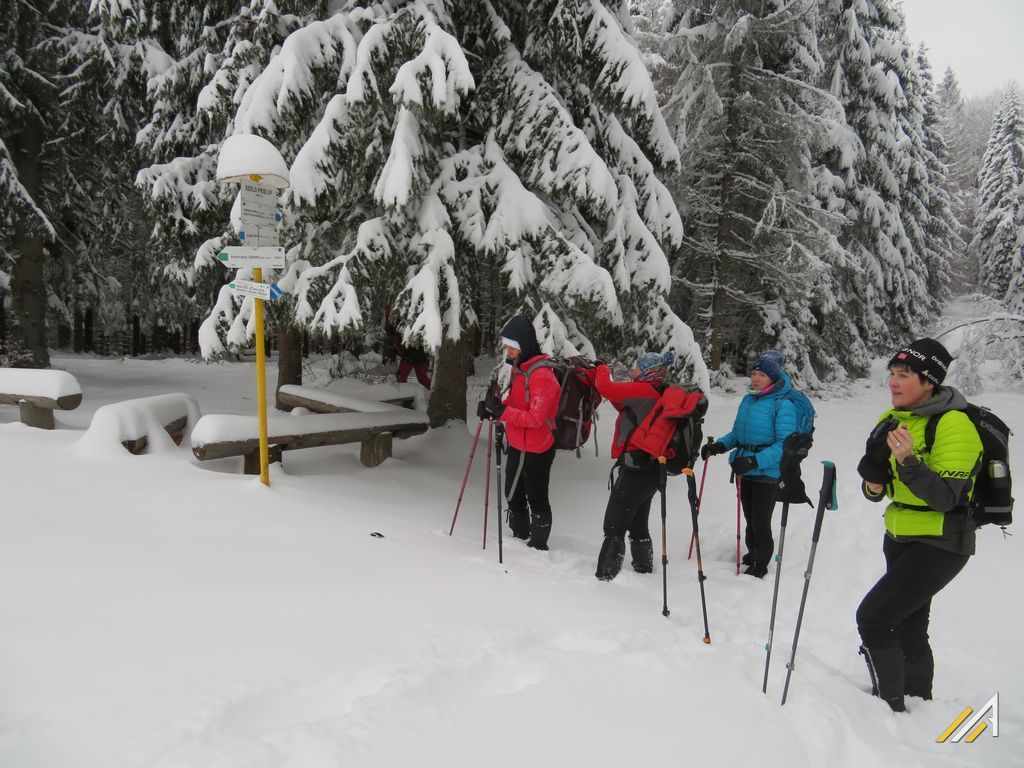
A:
826, 497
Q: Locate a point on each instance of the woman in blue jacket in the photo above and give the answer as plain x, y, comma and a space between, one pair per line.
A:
765, 419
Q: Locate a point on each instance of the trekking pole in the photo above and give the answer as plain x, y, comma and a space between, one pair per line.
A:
487, 481
826, 500
499, 431
465, 477
775, 594
662, 482
700, 497
691, 484
737, 477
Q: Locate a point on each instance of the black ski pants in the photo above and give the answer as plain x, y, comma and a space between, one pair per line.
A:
758, 501
529, 510
629, 503
894, 613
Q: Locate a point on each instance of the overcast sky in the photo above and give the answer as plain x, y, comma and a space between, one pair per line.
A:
980, 39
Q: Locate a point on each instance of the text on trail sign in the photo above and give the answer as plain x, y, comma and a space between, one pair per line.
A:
247, 256
265, 291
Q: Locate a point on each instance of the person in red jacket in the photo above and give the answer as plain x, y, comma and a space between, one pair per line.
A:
629, 504
409, 358
528, 414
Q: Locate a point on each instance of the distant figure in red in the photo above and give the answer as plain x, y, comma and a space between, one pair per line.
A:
409, 358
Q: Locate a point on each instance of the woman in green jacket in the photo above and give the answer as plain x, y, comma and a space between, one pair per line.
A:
928, 534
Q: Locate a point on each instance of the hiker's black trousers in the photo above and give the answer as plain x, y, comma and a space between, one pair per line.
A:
629, 503
529, 510
758, 501
895, 611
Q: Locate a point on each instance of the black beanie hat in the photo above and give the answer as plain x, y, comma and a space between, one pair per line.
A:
925, 357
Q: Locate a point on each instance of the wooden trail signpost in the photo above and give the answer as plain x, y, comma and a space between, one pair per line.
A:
258, 168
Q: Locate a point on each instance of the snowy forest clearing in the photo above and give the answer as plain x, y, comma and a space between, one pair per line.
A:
158, 612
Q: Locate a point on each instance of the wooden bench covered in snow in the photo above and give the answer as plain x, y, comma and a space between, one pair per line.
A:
218, 436
39, 392
325, 401
140, 423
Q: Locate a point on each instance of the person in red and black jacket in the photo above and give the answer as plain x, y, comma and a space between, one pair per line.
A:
528, 413
629, 504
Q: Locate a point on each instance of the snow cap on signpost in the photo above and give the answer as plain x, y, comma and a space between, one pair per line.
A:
245, 155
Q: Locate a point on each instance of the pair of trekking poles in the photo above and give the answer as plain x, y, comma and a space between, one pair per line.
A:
495, 441
826, 500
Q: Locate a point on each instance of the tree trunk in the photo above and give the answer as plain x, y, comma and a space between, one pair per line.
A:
88, 341
78, 343
289, 359
451, 369
63, 335
28, 281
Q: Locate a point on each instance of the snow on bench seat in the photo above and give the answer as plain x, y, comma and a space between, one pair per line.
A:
325, 401
217, 436
156, 422
39, 392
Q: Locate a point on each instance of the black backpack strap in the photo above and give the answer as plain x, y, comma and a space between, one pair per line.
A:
930, 429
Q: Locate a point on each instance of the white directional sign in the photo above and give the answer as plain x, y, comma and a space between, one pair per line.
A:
265, 291
248, 256
260, 237
259, 205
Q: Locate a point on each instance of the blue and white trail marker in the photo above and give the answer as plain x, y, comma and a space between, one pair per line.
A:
265, 291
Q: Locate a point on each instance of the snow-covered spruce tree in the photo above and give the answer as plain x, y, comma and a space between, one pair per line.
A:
928, 217
865, 45
757, 197
995, 245
471, 160
962, 164
196, 61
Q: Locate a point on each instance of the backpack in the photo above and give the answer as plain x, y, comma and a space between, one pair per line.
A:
576, 404
993, 486
795, 448
672, 428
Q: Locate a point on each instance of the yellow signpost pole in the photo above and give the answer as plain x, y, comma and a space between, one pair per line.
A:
261, 384
261, 375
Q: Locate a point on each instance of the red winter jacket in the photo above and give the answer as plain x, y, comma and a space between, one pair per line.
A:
632, 399
530, 426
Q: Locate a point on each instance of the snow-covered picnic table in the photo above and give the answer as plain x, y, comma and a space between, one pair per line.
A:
39, 392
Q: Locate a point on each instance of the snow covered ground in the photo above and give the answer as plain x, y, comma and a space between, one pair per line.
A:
159, 612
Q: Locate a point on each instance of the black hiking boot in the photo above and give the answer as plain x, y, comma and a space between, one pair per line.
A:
886, 669
642, 552
520, 525
918, 678
748, 559
609, 561
756, 569
539, 536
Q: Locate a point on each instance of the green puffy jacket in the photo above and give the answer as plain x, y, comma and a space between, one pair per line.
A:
928, 502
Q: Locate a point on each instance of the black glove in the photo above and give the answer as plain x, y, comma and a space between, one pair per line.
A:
486, 409
712, 449
876, 449
873, 471
744, 464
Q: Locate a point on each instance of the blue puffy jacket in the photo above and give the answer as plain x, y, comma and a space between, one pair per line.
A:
763, 423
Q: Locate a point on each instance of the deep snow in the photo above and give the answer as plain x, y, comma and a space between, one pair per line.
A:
159, 612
